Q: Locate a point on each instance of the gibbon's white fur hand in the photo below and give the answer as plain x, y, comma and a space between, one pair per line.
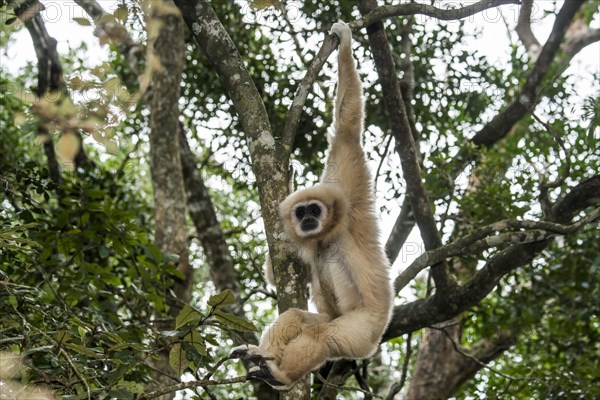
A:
335, 227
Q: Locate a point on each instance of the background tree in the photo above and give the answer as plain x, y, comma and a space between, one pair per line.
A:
109, 290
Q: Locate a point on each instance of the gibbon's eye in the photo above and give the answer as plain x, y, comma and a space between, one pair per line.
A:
300, 212
314, 210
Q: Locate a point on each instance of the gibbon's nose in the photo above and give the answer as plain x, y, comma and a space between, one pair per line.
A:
309, 224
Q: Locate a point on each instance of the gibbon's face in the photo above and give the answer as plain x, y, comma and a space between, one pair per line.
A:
316, 213
308, 217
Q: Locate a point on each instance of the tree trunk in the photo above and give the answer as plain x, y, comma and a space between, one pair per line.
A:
165, 63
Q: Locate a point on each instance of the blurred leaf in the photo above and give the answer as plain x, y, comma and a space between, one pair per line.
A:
187, 314
223, 299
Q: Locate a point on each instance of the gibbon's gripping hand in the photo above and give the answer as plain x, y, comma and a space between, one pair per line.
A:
261, 369
342, 31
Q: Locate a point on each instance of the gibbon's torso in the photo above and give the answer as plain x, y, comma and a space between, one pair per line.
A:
339, 269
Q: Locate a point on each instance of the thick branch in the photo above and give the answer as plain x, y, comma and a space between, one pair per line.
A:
166, 50
269, 158
577, 43
397, 10
481, 240
426, 312
443, 364
584, 195
405, 143
524, 28
500, 125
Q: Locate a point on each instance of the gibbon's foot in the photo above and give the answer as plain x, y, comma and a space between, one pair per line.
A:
263, 372
341, 30
246, 352
239, 351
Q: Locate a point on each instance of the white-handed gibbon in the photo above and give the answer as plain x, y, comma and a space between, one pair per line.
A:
335, 227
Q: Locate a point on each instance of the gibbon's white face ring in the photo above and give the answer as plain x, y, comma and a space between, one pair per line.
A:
319, 218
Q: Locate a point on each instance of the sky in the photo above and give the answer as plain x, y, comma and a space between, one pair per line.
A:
494, 42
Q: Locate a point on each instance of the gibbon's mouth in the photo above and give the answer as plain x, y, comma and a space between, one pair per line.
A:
309, 224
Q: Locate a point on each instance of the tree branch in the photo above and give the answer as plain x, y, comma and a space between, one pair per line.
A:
480, 240
524, 29
50, 79
426, 312
211, 237
166, 57
292, 120
528, 98
191, 385
269, 157
577, 43
402, 227
397, 10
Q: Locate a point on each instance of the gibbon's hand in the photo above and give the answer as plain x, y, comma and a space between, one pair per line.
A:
342, 31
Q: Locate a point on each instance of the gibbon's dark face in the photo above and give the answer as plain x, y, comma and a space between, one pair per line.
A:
315, 213
308, 217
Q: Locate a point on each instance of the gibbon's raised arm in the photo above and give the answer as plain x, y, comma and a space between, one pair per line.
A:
335, 228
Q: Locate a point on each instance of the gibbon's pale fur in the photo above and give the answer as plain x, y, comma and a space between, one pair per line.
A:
335, 227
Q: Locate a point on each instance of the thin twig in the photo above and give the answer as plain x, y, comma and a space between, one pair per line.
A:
397, 386
215, 367
191, 385
77, 372
383, 155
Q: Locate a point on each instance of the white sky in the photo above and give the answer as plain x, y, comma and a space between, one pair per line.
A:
494, 43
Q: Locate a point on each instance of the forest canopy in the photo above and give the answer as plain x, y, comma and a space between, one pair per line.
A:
141, 169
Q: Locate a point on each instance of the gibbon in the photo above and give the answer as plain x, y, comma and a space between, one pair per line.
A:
335, 228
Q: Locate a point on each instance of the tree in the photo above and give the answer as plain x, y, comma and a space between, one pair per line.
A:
107, 291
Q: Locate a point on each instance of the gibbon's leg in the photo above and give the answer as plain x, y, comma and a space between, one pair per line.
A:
352, 335
294, 325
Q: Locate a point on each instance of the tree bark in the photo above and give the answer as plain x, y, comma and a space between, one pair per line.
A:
443, 365
165, 60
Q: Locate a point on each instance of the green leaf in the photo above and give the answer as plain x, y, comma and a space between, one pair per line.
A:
82, 21
62, 337
121, 13
177, 359
83, 350
187, 314
113, 337
234, 322
117, 374
119, 346
104, 252
222, 299
195, 339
